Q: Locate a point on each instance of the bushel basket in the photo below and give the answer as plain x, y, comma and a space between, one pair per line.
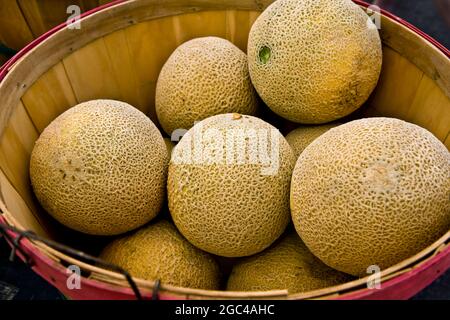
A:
118, 54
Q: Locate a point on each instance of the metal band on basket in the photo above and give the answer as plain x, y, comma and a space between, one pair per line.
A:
156, 287
15, 241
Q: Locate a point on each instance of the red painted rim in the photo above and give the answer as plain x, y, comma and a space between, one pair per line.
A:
359, 294
440, 260
407, 276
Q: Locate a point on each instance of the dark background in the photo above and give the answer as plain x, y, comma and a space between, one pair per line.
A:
431, 16
18, 282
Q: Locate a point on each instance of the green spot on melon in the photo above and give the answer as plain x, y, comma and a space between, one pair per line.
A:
264, 54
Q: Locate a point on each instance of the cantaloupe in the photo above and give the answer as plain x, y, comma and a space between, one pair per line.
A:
203, 77
228, 185
159, 252
301, 137
371, 192
169, 145
285, 265
314, 61
100, 168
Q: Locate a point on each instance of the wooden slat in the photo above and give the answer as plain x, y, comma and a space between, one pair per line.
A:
418, 51
253, 16
447, 141
90, 72
90, 4
118, 17
405, 92
14, 30
151, 44
15, 204
202, 24
32, 13
123, 69
105, 68
102, 2
238, 24
16, 145
397, 86
430, 109
44, 15
48, 97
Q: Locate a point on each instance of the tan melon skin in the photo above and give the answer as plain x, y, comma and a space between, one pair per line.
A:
324, 60
100, 168
203, 77
169, 145
226, 209
301, 137
285, 265
371, 192
159, 251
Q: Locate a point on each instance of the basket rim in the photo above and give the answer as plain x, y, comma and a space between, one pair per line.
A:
31, 245
402, 271
4, 69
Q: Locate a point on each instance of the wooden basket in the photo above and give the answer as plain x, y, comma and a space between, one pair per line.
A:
118, 54
22, 21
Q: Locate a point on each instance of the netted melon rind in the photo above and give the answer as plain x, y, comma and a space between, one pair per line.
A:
286, 265
325, 59
230, 210
159, 252
371, 192
203, 77
301, 137
100, 168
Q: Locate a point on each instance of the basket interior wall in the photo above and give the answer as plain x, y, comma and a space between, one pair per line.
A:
125, 64
23, 20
